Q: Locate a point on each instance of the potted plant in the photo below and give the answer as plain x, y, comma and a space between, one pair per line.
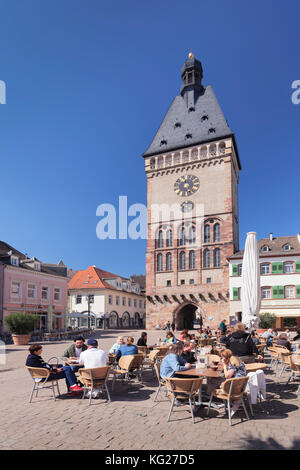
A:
266, 321
20, 325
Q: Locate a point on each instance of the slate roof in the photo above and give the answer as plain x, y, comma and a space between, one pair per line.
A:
194, 117
275, 247
7, 250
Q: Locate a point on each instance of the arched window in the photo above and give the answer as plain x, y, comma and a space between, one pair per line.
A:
192, 259
169, 261
206, 233
160, 241
169, 238
206, 258
152, 163
159, 262
192, 237
217, 258
216, 232
182, 236
182, 264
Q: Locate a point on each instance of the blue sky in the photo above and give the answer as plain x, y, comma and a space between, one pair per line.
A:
88, 83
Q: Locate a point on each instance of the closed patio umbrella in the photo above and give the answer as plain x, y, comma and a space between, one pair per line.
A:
250, 290
49, 318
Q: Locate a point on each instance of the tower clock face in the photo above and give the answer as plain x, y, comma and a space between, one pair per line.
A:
186, 185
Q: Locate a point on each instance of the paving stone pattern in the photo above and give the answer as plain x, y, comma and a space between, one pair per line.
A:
132, 420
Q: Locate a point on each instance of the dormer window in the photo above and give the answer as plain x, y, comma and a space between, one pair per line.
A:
287, 247
14, 261
37, 266
265, 248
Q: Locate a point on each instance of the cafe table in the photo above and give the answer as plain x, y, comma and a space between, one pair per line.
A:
255, 366
208, 373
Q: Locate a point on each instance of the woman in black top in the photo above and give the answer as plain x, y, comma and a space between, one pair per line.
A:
241, 345
143, 339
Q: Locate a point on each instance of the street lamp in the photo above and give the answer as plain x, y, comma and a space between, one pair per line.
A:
88, 299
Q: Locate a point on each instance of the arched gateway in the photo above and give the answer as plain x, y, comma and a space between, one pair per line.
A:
185, 316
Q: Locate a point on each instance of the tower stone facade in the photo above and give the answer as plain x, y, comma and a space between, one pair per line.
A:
192, 168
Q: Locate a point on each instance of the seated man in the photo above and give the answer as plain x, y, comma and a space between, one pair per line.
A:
73, 352
283, 341
117, 345
34, 359
92, 358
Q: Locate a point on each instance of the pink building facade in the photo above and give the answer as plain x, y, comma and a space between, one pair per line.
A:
30, 286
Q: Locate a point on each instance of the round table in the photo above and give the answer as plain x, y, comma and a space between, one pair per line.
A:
255, 366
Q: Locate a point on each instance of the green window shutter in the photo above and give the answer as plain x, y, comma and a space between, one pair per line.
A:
280, 268
280, 292
235, 270
274, 268
298, 292
235, 293
275, 291
297, 266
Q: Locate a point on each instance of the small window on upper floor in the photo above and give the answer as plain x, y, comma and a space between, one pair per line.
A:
37, 266
287, 247
14, 260
265, 248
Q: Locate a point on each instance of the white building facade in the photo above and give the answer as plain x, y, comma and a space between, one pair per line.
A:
279, 279
104, 300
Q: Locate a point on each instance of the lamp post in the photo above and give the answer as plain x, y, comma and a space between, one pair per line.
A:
88, 299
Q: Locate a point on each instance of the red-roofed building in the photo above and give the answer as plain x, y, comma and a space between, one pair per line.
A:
108, 300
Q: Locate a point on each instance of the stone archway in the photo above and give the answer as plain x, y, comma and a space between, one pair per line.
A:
126, 320
113, 320
185, 316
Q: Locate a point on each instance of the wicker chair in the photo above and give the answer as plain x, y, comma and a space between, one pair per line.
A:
231, 390
125, 367
143, 350
182, 390
94, 378
161, 383
150, 360
44, 374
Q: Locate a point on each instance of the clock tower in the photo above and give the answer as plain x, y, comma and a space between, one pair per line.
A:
192, 168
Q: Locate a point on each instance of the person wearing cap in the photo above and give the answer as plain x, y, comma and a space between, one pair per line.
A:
92, 357
72, 353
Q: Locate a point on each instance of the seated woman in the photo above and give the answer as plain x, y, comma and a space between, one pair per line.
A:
183, 335
241, 344
254, 338
233, 368
117, 345
143, 339
283, 341
127, 349
173, 362
34, 359
170, 338
188, 354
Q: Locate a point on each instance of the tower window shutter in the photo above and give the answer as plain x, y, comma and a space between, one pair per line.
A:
297, 266
235, 270
298, 292
275, 290
280, 292
280, 268
235, 293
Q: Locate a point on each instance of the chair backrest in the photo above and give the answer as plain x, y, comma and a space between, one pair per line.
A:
152, 355
183, 386
38, 372
111, 358
143, 349
95, 373
157, 370
213, 358
235, 386
138, 360
125, 362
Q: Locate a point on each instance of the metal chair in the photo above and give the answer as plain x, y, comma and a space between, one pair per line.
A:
182, 390
94, 378
231, 390
43, 374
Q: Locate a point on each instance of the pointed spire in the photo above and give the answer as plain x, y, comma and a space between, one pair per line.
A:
191, 74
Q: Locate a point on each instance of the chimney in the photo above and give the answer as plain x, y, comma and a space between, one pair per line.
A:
298, 236
271, 236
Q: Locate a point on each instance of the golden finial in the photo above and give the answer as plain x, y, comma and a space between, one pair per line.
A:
191, 55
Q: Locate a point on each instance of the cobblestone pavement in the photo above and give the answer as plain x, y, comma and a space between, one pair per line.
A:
132, 420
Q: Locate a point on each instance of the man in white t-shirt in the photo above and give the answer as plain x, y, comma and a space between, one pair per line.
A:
93, 357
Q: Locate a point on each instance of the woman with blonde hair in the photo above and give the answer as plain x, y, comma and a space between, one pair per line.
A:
127, 349
117, 345
233, 368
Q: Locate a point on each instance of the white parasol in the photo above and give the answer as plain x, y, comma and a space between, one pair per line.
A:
250, 291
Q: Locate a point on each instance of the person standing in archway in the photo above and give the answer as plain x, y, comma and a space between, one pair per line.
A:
173, 326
